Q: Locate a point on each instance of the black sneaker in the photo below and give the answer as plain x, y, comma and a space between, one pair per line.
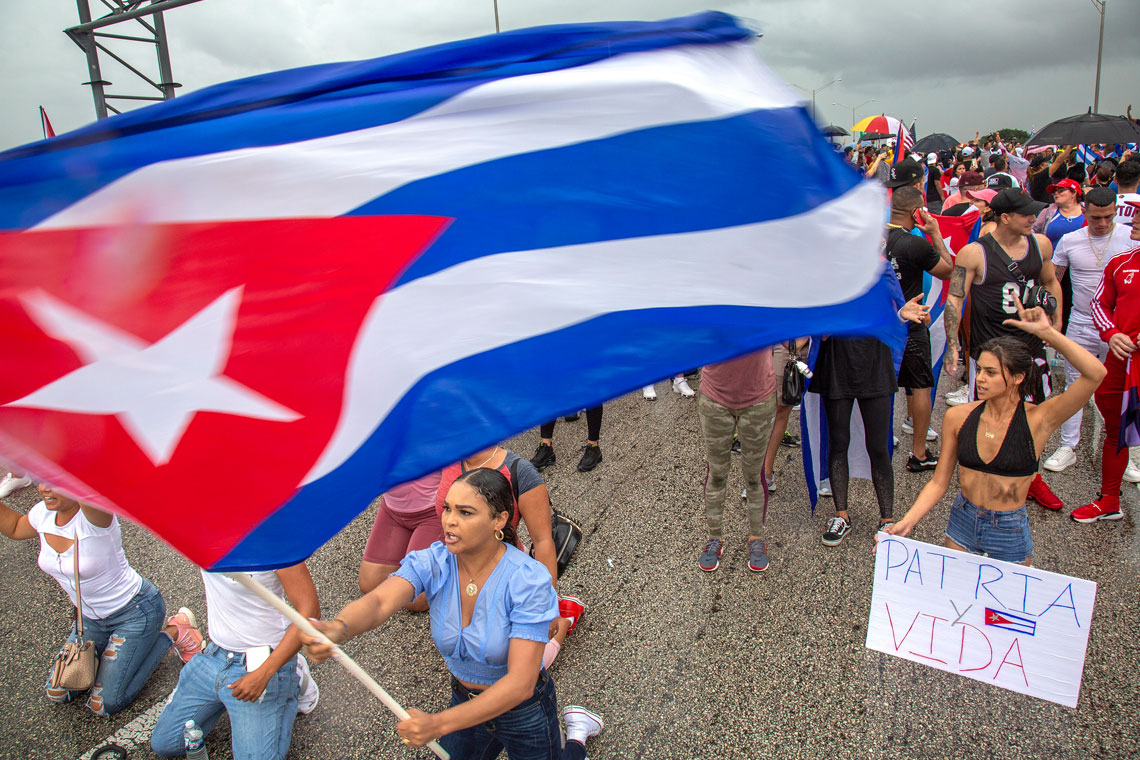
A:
789, 439
914, 464
591, 458
735, 444
572, 417
837, 528
543, 456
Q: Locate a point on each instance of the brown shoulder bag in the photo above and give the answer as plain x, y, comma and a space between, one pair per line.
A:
75, 665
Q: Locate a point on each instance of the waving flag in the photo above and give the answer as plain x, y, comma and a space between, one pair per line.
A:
1130, 407
956, 232
45, 124
1087, 155
318, 283
904, 141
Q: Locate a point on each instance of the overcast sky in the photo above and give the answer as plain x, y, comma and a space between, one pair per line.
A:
957, 66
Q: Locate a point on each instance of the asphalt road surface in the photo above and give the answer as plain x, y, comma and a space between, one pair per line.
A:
681, 664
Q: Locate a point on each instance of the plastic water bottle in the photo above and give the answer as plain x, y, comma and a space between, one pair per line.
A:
194, 741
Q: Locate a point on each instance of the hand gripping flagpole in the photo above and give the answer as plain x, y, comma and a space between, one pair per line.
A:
297, 619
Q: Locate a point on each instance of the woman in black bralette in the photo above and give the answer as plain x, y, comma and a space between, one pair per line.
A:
997, 442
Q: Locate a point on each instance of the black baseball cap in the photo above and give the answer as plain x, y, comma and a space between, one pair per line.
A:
999, 181
1010, 201
905, 172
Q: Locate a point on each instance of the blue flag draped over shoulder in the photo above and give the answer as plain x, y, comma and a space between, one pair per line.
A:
322, 282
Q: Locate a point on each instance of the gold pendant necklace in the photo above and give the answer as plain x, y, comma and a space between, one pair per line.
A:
471, 589
1103, 248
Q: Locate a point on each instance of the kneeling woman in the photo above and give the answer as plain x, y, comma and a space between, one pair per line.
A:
997, 442
491, 608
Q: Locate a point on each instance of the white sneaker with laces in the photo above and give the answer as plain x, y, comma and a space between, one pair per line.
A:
908, 427
958, 397
825, 487
681, 385
309, 693
1062, 458
771, 483
581, 724
1131, 473
10, 484
649, 393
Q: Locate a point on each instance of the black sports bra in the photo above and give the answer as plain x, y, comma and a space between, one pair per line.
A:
1017, 457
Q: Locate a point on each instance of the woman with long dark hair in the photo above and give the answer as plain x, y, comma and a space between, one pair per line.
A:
491, 608
996, 442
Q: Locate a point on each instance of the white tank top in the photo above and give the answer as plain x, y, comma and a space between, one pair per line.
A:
107, 580
238, 619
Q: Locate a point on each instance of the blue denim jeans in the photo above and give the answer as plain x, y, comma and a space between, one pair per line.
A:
259, 730
1001, 535
130, 643
530, 731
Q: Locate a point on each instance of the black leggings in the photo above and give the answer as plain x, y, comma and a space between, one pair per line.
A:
593, 425
876, 414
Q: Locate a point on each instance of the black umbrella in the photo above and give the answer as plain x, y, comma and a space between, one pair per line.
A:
874, 135
935, 143
1085, 129
833, 131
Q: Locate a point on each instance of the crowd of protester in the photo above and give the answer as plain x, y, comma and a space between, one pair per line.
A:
1052, 268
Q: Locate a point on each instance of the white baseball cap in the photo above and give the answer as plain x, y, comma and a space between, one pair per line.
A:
931, 158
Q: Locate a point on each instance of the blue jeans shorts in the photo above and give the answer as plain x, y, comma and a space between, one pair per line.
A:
1000, 535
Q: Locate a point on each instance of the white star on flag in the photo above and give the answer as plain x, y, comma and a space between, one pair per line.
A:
154, 390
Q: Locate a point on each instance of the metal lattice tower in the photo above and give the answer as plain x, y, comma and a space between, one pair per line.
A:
94, 42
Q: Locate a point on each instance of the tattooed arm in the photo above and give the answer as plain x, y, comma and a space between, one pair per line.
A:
960, 280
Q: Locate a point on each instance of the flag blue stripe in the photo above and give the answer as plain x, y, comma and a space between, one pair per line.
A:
316, 101
465, 405
617, 187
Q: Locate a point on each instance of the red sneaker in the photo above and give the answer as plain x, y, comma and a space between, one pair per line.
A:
571, 608
1040, 492
189, 639
1090, 513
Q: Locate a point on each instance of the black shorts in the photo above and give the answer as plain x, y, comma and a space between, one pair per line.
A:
916, 371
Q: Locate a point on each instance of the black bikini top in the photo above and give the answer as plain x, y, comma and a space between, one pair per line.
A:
1017, 457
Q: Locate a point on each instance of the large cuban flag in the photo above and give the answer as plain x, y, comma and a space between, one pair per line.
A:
238, 316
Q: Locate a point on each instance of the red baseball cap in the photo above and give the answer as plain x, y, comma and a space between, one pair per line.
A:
1065, 184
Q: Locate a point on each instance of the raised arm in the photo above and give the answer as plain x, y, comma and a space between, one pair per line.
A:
15, 525
1048, 416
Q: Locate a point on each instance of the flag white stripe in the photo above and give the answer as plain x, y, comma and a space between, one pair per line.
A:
515, 292
330, 176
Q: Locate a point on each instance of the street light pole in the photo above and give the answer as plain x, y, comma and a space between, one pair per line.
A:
496, 16
1099, 5
844, 105
817, 89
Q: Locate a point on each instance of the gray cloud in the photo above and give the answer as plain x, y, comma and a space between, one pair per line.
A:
957, 67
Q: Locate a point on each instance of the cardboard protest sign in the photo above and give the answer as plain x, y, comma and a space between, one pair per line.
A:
1005, 624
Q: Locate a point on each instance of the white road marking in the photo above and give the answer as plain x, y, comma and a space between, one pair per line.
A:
134, 734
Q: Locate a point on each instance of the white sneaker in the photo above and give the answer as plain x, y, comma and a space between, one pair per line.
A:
581, 724
908, 427
771, 483
309, 693
744, 494
825, 487
1065, 457
960, 396
10, 484
681, 385
649, 393
1131, 473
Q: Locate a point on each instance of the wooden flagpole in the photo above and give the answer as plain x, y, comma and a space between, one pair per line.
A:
297, 619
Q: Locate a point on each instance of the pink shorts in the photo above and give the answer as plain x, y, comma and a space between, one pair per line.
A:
394, 534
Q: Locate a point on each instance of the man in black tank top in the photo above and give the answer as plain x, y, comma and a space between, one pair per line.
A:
993, 291
981, 274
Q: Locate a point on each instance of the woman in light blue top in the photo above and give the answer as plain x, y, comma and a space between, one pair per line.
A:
491, 609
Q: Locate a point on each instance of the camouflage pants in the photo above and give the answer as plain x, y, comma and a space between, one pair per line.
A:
753, 426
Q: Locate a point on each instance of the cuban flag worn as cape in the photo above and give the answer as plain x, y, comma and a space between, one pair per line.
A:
318, 283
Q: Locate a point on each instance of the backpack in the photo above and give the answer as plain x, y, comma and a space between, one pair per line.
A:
567, 533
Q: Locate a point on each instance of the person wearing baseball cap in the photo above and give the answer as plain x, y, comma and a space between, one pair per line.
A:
970, 180
1065, 214
982, 273
905, 172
